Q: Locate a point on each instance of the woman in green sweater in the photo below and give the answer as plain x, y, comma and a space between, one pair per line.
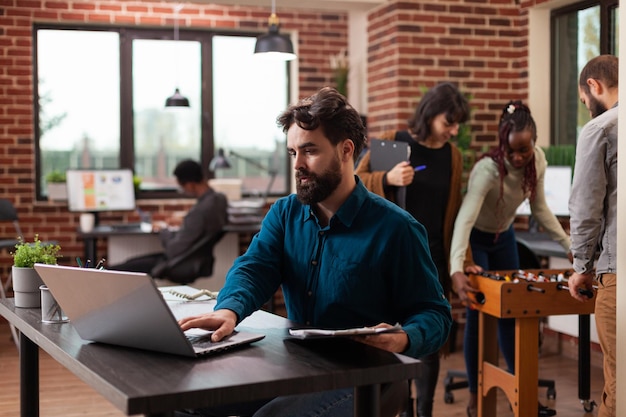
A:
498, 184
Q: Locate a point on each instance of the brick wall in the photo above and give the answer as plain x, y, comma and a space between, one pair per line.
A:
482, 46
319, 36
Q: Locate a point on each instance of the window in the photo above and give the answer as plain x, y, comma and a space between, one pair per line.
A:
256, 150
101, 104
579, 32
79, 100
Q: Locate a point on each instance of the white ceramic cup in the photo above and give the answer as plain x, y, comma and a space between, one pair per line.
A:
50, 310
87, 222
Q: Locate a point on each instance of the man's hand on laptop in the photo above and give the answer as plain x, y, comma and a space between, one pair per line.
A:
221, 322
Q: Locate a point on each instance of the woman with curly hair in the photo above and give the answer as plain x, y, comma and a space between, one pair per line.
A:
499, 182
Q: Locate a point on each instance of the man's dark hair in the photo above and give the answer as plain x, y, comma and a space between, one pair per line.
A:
331, 111
442, 98
603, 68
188, 171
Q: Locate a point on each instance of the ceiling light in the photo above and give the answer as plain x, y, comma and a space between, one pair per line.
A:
273, 45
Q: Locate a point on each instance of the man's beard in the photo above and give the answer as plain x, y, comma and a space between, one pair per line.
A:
318, 187
595, 107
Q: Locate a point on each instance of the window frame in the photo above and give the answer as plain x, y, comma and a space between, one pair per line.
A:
607, 46
126, 37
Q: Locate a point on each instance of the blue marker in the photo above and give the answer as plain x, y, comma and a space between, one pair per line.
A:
420, 168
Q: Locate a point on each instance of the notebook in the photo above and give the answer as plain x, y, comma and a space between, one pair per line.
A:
127, 309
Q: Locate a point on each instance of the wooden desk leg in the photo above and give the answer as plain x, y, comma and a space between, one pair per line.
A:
367, 401
487, 358
29, 378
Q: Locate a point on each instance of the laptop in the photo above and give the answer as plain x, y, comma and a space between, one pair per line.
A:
127, 309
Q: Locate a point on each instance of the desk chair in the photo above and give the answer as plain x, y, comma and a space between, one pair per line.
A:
9, 214
195, 263
527, 260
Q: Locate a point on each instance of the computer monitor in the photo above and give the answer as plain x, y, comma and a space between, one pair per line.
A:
557, 185
95, 190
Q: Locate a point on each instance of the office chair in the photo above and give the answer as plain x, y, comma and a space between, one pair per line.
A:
527, 260
191, 265
9, 214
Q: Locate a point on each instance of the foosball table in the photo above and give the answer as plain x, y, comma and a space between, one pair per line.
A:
527, 296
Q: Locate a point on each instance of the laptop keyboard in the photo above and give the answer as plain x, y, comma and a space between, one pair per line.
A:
204, 341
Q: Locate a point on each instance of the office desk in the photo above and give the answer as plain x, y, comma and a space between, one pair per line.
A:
107, 231
142, 382
541, 244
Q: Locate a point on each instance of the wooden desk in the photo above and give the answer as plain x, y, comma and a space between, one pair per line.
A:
142, 382
515, 300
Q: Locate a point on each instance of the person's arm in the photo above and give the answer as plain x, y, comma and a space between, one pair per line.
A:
251, 281
256, 275
455, 198
482, 179
588, 193
415, 294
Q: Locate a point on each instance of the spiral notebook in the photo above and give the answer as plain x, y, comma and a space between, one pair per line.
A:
127, 309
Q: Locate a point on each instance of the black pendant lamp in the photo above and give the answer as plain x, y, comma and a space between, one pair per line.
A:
176, 99
273, 45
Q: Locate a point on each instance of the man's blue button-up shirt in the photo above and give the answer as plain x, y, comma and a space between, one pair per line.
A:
371, 264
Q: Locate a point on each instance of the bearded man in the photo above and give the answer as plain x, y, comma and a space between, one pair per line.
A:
344, 257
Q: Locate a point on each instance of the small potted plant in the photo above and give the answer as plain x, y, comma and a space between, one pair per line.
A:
57, 188
26, 281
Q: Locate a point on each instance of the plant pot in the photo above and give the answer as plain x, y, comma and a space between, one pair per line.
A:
26, 283
57, 191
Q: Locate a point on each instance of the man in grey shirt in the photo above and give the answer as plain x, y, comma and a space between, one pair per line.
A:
593, 209
203, 223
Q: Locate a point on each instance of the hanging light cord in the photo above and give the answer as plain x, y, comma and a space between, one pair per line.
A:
273, 19
177, 10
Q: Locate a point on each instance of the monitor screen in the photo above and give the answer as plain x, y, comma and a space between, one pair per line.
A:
100, 190
557, 185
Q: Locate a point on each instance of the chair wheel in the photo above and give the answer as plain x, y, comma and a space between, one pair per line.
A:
551, 393
588, 405
448, 397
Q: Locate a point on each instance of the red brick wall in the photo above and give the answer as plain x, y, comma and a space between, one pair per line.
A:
479, 44
482, 46
319, 35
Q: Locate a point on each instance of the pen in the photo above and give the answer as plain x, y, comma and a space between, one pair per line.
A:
79, 262
420, 168
100, 264
87, 263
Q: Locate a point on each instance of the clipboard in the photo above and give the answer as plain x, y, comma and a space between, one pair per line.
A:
386, 154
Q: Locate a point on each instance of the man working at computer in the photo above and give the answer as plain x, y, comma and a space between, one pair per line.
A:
204, 221
344, 257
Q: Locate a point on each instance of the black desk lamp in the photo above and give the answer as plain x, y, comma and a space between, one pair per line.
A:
221, 162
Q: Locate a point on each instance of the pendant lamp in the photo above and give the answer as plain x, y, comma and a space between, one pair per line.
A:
273, 45
176, 99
